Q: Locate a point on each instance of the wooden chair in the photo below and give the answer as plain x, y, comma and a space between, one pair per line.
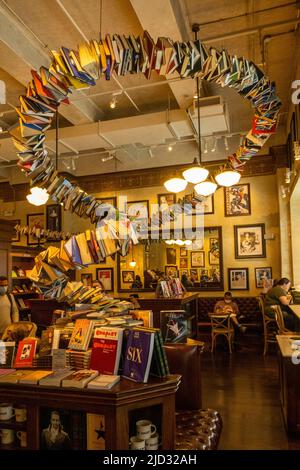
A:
269, 325
221, 326
282, 330
18, 331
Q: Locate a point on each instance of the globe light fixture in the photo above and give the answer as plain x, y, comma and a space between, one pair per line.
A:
132, 263
228, 178
206, 188
175, 185
188, 242
196, 173
179, 242
38, 196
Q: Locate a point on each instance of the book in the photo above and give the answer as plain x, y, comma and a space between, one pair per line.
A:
45, 346
145, 315
81, 334
138, 355
95, 425
34, 377
14, 377
79, 378
103, 382
174, 326
26, 352
7, 351
55, 378
4, 372
107, 345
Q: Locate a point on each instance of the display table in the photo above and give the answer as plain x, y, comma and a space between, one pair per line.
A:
123, 405
188, 301
289, 375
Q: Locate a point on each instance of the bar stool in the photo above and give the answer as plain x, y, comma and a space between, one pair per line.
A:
221, 326
269, 324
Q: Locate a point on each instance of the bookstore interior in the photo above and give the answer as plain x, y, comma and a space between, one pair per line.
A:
149, 225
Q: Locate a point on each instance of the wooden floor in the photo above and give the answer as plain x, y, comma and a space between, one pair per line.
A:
244, 388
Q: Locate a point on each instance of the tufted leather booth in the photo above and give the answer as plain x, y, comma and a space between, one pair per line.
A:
248, 308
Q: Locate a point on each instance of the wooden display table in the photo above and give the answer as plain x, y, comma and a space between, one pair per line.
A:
289, 375
123, 405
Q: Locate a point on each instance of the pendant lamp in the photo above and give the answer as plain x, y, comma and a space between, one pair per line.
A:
228, 177
175, 185
206, 188
38, 196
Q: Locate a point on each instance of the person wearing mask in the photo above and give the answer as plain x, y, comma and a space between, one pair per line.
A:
228, 307
9, 312
278, 295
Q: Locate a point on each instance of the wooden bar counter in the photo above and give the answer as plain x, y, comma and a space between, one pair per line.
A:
123, 405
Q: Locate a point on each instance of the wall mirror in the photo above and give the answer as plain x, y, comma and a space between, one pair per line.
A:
199, 266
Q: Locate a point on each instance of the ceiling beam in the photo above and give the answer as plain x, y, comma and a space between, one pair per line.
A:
25, 46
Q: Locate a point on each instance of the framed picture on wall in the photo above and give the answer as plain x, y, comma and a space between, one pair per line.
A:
249, 241
166, 200
183, 271
105, 276
138, 212
171, 271
237, 200
171, 255
263, 277
36, 224
53, 218
183, 263
213, 258
16, 237
127, 277
206, 206
183, 252
197, 259
108, 200
87, 279
238, 279
194, 274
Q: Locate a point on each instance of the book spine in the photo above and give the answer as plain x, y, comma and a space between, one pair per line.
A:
165, 360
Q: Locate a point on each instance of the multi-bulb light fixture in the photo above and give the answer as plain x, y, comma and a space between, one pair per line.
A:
205, 184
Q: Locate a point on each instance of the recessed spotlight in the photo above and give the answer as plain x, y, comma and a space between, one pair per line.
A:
113, 102
170, 148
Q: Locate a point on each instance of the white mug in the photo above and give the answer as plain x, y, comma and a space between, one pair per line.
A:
145, 429
20, 413
7, 436
6, 411
136, 443
153, 442
22, 435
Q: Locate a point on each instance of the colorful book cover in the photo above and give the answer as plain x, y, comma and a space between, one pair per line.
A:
174, 326
145, 315
7, 351
26, 352
81, 335
106, 350
95, 425
138, 355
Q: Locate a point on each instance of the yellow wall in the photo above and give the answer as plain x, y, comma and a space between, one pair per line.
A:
264, 209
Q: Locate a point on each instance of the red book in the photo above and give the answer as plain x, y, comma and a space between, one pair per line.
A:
106, 350
26, 352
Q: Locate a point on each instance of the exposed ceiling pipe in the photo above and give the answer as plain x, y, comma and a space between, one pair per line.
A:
70, 17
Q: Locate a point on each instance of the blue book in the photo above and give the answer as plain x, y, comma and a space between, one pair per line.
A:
138, 355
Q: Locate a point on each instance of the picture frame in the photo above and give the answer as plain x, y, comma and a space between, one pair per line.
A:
207, 206
183, 271
87, 279
108, 200
105, 276
17, 237
213, 259
238, 279
127, 277
138, 212
194, 273
212, 242
166, 200
249, 241
171, 271
36, 222
183, 252
53, 219
183, 263
237, 200
171, 255
263, 277
197, 259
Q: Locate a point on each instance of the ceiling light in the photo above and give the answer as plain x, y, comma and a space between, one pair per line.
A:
179, 242
170, 242
206, 188
213, 149
226, 143
150, 153
228, 178
105, 159
188, 242
175, 185
132, 263
170, 148
38, 196
196, 174
205, 146
113, 102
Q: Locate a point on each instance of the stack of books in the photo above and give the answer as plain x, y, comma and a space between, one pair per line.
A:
78, 359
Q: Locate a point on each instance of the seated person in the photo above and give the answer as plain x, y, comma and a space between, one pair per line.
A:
137, 283
186, 282
150, 279
228, 307
278, 295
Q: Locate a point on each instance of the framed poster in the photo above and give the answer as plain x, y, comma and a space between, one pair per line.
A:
138, 212
206, 206
105, 277
194, 274
108, 200
213, 258
237, 200
182, 272
53, 218
16, 237
166, 200
183, 251
238, 279
171, 255
127, 277
87, 279
36, 224
263, 277
183, 263
249, 241
197, 259
171, 271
